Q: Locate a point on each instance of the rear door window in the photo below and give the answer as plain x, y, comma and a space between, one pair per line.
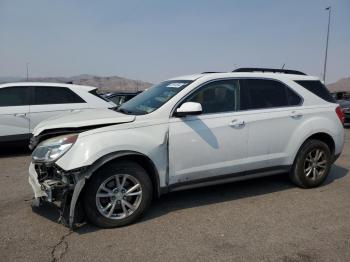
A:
44, 95
265, 93
14, 96
317, 88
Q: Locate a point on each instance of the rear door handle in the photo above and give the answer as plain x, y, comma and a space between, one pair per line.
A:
296, 115
237, 123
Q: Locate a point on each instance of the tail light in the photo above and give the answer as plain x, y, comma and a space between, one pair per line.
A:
340, 114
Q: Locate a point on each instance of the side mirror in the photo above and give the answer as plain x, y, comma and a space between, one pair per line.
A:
189, 108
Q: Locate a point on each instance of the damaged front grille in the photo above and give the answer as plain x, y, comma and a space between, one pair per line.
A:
47, 172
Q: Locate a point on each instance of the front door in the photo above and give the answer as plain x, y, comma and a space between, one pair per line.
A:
211, 144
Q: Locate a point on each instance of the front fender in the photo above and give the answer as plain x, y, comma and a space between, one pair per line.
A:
150, 141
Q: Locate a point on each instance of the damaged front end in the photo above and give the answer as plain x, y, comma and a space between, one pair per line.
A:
51, 183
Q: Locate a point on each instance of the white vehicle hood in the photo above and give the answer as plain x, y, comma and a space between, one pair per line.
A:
84, 118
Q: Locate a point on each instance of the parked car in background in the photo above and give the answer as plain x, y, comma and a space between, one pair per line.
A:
24, 105
345, 104
120, 98
187, 132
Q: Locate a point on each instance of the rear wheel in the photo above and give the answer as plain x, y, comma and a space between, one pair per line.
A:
118, 194
312, 164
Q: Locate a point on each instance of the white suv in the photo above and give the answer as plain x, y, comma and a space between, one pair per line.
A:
186, 132
24, 105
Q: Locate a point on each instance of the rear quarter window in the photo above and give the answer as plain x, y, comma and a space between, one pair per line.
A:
317, 88
45, 95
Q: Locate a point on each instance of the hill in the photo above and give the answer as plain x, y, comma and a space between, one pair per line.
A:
341, 85
104, 83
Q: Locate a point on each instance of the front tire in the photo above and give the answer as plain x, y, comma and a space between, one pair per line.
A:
118, 194
312, 164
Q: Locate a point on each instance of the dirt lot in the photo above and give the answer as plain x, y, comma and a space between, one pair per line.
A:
259, 220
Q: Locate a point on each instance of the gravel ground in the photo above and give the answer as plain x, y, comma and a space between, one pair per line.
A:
265, 219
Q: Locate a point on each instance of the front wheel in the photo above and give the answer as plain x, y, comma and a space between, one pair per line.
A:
312, 164
118, 194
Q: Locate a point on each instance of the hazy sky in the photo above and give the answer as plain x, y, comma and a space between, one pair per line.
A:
155, 40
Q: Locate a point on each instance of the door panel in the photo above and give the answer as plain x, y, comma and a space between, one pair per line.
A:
14, 122
14, 109
205, 146
269, 133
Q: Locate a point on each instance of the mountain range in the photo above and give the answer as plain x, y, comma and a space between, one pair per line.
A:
104, 83
120, 84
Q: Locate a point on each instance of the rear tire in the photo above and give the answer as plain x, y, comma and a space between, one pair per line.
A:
118, 194
312, 164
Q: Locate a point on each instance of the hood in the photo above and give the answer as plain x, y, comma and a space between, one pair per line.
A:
84, 118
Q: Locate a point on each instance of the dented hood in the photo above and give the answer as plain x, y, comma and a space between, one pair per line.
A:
81, 119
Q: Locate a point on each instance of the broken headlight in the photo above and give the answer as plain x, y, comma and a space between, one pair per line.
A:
52, 149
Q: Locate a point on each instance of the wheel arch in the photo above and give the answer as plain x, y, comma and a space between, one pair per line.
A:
324, 137
321, 136
137, 157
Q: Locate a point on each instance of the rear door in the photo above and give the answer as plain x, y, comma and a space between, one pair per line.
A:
212, 144
14, 109
49, 101
272, 112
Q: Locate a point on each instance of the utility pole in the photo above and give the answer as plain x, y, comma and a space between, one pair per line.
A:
329, 9
27, 66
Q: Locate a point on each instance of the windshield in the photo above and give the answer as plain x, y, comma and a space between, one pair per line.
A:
153, 98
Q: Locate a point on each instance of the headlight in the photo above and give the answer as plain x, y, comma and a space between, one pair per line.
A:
52, 149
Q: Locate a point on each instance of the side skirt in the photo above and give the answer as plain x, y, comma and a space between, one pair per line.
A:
226, 178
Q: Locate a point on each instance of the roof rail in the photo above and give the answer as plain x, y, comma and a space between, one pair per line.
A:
270, 70
211, 72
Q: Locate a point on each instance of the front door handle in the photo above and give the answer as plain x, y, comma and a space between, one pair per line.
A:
22, 115
237, 123
296, 115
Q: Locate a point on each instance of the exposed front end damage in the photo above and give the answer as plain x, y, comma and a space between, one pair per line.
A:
51, 184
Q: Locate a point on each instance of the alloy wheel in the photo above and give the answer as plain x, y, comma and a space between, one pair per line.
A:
119, 196
315, 164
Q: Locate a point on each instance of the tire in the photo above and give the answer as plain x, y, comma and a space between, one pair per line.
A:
302, 173
102, 190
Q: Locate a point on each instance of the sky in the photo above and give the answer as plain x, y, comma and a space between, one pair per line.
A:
156, 40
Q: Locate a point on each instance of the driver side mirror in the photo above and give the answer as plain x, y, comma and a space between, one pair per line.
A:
189, 108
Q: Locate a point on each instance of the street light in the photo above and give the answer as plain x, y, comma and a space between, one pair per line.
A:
329, 9
27, 66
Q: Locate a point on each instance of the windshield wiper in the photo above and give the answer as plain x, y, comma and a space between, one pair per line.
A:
124, 111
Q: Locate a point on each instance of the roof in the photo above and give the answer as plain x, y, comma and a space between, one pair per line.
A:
71, 86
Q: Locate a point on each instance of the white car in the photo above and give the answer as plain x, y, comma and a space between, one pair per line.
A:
24, 105
186, 132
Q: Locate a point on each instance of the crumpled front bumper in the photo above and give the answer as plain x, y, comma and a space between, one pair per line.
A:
46, 190
38, 190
